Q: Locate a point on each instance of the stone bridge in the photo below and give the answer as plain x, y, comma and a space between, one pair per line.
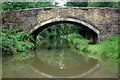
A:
101, 22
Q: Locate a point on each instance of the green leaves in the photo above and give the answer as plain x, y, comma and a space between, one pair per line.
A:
24, 5
107, 49
23, 46
14, 40
103, 4
77, 4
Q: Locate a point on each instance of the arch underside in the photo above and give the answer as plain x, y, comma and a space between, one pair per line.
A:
85, 26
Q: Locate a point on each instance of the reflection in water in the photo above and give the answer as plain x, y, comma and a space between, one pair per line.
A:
61, 61
53, 59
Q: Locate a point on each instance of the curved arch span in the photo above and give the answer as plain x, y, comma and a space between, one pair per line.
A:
41, 26
65, 19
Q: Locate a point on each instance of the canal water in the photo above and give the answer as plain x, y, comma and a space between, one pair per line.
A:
56, 60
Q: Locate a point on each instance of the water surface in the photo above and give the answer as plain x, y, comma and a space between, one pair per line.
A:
56, 60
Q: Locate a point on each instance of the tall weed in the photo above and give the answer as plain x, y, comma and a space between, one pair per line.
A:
15, 40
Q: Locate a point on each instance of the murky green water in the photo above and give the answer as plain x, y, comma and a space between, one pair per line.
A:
50, 61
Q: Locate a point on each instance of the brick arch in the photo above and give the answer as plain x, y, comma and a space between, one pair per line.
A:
37, 29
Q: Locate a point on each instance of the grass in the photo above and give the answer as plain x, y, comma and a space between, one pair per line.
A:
107, 49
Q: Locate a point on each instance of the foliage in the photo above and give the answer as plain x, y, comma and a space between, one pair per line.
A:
14, 40
78, 42
58, 31
24, 5
75, 38
107, 49
103, 4
62, 35
77, 4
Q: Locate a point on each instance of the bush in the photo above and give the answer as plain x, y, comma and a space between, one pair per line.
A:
14, 40
107, 49
104, 4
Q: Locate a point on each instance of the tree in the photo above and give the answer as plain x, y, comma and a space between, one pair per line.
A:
24, 5
103, 4
77, 4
